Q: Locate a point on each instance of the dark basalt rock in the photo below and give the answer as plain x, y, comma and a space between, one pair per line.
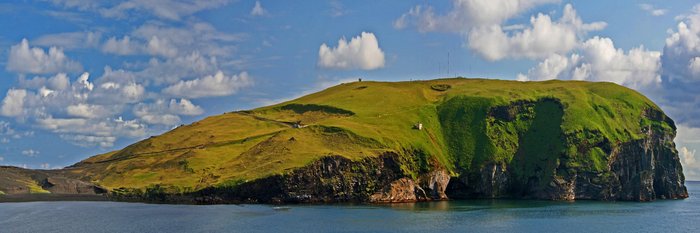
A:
336, 179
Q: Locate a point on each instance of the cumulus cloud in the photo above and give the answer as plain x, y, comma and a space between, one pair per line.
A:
481, 23
597, 59
30, 153
87, 110
34, 60
123, 46
81, 112
7, 132
171, 42
652, 10
362, 52
70, 40
165, 9
211, 85
13, 103
117, 87
89, 140
687, 134
691, 166
87, 132
681, 70
161, 47
79, 4
59, 81
682, 49
173, 70
258, 10
543, 38
166, 113
466, 14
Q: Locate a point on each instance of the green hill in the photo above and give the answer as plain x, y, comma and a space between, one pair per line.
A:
493, 138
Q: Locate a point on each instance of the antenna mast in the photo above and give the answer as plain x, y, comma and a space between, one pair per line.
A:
448, 63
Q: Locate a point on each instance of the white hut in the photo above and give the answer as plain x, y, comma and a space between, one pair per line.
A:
418, 126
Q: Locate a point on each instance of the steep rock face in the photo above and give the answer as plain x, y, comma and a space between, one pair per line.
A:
337, 179
15, 180
62, 185
644, 169
649, 169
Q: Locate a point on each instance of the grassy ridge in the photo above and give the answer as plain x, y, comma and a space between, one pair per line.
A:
355, 120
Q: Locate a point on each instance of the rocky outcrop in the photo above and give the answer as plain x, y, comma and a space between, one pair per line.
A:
14, 180
401, 190
336, 179
649, 169
62, 185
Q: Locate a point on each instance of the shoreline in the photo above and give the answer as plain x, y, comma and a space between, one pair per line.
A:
14, 198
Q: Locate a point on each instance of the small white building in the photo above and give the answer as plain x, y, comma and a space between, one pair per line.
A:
418, 126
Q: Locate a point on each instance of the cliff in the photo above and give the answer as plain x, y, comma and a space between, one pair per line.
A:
360, 142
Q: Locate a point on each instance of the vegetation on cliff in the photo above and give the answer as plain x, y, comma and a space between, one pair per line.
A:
542, 132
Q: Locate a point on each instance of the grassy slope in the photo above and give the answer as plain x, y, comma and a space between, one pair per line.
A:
363, 119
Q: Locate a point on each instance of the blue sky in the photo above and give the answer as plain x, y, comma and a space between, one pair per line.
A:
82, 77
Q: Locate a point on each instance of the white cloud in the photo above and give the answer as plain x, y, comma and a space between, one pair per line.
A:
599, 60
688, 135
184, 107
59, 81
44, 166
25, 59
193, 37
683, 48
162, 119
652, 10
90, 140
175, 69
80, 4
164, 9
123, 46
681, 70
466, 14
30, 153
117, 87
7, 132
80, 112
211, 85
543, 38
258, 10
88, 111
694, 66
86, 132
13, 103
691, 166
481, 23
161, 47
337, 9
166, 113
70, 40
362, 52
2, 159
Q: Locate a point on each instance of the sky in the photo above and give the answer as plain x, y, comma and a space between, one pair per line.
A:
83, 77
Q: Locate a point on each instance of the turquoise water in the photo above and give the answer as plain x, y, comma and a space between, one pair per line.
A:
453, 216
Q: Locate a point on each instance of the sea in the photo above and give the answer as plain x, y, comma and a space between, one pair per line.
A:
444, 216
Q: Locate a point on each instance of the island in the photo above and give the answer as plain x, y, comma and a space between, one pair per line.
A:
383, 142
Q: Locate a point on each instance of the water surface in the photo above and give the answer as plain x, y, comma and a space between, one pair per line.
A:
452, 216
